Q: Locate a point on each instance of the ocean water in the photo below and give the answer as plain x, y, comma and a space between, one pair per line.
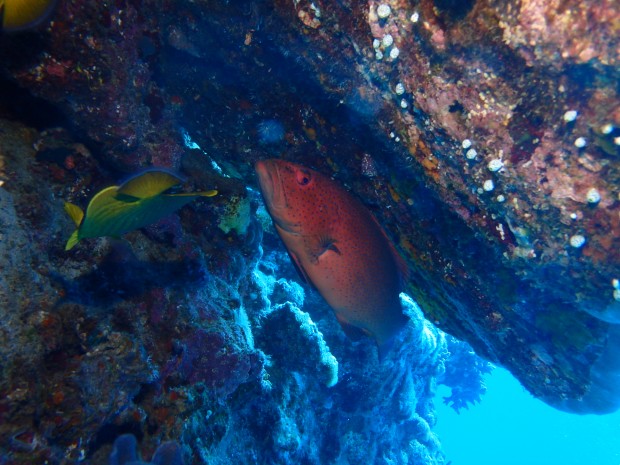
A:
510, 427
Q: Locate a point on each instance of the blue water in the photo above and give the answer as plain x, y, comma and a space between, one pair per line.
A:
510, 427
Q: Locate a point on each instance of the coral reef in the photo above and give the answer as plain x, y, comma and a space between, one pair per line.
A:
483, 136
181, 331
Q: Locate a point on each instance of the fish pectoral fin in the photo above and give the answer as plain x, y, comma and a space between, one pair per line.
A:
75, 212
328, 244
73, 239
149, 184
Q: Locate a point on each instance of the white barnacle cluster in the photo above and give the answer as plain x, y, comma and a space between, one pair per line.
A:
593, 196
577, 241
495, 165
384, 45
470, 152
383, 11
570, 116
580, 142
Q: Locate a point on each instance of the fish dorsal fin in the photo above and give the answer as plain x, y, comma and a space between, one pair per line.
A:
148, 184
401, 264
75, 212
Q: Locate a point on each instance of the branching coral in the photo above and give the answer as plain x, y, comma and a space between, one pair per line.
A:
464, 375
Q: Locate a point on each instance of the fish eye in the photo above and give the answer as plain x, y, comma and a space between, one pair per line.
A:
303, 177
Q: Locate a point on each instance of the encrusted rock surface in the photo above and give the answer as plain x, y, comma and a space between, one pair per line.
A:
493, 166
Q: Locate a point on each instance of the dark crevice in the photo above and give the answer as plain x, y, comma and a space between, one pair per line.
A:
19, 104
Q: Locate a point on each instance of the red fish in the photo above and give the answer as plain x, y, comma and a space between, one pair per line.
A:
337, 246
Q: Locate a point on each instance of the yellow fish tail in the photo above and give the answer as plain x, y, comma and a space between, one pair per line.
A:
75, 213
73, 239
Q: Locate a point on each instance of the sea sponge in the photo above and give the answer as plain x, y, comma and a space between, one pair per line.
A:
292, 340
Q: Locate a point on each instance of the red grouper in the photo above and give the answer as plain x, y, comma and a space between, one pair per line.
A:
337, 246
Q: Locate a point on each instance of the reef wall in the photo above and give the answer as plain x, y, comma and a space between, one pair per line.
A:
184, 331
483, 135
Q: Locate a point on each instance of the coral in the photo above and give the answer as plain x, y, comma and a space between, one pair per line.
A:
383, 103
236, 216
292, 340
464, 375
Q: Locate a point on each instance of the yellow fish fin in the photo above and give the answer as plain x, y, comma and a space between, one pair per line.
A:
149, 184
73, 239
210, 193
75, 213
16, 15
194, 194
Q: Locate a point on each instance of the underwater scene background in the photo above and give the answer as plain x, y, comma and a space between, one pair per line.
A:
309, 232
510, 427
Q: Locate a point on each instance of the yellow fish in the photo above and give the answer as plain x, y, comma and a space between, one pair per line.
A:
16, 15
136, 203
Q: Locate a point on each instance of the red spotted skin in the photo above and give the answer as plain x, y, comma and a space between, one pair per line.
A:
338, 246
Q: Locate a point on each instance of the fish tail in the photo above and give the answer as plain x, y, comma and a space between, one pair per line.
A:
75, 213
73, 239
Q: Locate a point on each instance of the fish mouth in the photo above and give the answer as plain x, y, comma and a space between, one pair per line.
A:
270, 185
274, 194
